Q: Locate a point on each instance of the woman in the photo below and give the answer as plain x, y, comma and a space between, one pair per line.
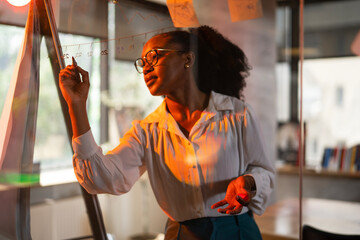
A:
201, 147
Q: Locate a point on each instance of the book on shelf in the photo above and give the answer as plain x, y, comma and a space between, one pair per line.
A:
356, 164
328, 152
341, 158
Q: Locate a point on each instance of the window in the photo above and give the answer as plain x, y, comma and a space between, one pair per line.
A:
330, 114
9, 48
339, 99
330, 75
283, 91
52, 148
128, 99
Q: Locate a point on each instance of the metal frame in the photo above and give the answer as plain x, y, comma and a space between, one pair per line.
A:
49, 31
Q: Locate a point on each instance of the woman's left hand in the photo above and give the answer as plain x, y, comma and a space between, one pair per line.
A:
237, 196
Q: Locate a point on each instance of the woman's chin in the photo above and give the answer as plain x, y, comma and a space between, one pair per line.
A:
153, 91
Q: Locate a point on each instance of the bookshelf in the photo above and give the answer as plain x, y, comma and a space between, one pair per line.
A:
337, 162
294, 170
341, 158
318, 183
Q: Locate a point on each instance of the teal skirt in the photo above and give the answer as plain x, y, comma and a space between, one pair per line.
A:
235, 227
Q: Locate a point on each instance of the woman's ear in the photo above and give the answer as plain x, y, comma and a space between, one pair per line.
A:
189, 59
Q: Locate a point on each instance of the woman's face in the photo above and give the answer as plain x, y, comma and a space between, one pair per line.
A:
168, 74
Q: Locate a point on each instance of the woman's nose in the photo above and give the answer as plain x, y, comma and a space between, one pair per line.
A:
147, 68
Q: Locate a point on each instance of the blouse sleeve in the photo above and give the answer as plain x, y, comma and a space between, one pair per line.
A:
259, 165
114, 173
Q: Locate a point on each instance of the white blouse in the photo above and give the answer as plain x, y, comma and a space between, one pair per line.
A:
187, 175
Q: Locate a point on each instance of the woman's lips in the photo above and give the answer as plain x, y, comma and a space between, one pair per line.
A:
149, 80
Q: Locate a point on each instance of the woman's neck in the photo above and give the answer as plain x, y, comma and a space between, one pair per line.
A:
187, 109
187, 98
188, 105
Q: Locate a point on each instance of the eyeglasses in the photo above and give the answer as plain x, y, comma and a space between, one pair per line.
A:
151, 58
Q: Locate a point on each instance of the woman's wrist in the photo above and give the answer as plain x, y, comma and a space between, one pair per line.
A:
76, 104
250, 184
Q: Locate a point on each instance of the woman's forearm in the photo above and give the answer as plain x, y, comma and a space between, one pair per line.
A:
79, 119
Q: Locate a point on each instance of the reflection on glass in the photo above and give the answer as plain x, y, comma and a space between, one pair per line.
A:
128, 97
52, 148
9, 48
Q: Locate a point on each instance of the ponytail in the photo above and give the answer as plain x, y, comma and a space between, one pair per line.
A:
222, 66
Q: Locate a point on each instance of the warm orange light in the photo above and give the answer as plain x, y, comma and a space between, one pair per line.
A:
18, 3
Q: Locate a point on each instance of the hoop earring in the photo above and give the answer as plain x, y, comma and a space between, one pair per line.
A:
186, 66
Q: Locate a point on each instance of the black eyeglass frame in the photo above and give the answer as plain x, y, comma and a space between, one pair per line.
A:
139, 67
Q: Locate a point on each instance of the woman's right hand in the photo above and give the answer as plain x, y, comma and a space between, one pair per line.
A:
73, 89
75, 93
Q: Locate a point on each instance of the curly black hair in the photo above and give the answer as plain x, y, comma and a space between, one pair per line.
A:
221, 65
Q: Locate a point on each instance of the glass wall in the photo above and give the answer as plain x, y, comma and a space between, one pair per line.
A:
117, 97
329, 82
51, 129
106, 37
320, 87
